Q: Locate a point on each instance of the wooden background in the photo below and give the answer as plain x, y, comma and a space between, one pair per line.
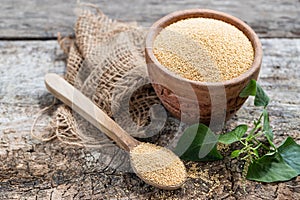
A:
30, 169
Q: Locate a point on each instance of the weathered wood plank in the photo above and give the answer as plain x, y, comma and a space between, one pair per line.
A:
34, 170
43, 19
23, 66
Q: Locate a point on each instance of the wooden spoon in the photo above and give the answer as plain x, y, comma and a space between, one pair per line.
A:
72, 97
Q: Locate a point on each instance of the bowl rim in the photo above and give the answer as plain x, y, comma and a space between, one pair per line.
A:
193, 13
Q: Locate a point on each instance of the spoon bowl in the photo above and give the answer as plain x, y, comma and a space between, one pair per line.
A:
158, 166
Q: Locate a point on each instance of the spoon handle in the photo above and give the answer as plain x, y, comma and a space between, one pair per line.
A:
72, 97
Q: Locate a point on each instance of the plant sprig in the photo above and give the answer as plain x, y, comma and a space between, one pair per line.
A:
267, 163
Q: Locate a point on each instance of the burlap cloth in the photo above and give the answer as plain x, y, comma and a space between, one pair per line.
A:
106, 63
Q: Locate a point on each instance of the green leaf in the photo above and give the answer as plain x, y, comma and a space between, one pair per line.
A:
266, 127
261, 98
214, 154
249, 90
270, 168
235, 153
290, 152
198, 143
256, 153
254, 89
233, 136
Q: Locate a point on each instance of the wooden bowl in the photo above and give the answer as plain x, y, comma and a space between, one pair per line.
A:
212, 103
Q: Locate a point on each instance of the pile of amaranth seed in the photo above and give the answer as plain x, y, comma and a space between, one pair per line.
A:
204, 49
158, 164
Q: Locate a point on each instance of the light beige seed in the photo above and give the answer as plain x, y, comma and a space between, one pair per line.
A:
158, 165
204, 49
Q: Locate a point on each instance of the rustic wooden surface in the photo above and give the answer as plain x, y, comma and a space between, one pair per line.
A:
31, 169
43, 19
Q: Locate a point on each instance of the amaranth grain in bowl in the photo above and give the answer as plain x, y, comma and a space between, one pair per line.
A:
204, 49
